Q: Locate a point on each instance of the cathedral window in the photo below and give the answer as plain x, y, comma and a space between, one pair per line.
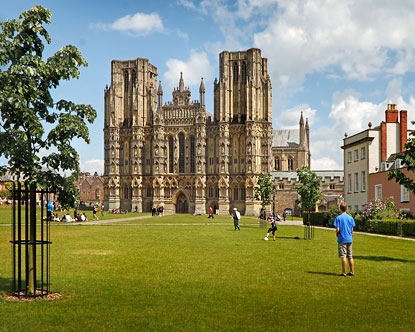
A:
235, 72
210, 192
134, 77
192, 154
216, 192
277, 164
181, 153
290, 164
235, 193
171, 152
243, 193
126, 80
244, 72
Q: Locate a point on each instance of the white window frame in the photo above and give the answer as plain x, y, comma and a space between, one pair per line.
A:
363, 153
356, 155
349, 183
349, 156
377, 188
356, 208
356, 182
404, 195
363, 179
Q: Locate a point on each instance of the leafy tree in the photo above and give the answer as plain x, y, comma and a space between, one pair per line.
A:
408, 158
263, 192
35, 131
309, 191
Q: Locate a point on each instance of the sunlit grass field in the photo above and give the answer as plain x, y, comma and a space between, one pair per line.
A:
129, 276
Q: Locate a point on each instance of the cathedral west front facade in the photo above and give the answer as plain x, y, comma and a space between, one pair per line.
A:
177, 154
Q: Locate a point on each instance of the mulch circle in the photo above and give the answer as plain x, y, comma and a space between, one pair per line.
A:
22, 297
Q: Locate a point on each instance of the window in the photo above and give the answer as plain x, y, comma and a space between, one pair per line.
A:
356, 208
349, 183
192, 154
356, 182
349, 208
134, 77
332, 186
171, 154
277, 164
216, 192
404, 195
210, 192
290, 164
378, 191
363, 153
235, 193
349, 156
235, 73
126, 80
181, 153
363, 181
281, 186
244, 72
243, 194
356, 155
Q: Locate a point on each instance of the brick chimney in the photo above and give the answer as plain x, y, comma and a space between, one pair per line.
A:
383, 141
403, 129
391, 113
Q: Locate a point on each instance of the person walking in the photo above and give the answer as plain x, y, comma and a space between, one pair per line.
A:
344, 224
102, 209
94, 212
272, 229
236, 217
49, 209
211, 213
284, 215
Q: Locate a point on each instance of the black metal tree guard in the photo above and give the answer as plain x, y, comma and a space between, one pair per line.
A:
308, 227
29, 263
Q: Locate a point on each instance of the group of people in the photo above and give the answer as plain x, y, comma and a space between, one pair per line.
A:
157, 211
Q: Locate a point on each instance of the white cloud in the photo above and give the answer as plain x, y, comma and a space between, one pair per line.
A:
193, 69
186, 3
92, 166
290, 118
325, 163
139, 24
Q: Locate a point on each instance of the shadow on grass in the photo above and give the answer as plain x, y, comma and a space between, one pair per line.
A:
324, 273
384, 259
5, 285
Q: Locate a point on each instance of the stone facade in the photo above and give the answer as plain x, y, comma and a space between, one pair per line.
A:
176, 155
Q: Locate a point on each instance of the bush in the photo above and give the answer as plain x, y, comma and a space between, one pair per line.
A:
316, 218
377, 209
408, 228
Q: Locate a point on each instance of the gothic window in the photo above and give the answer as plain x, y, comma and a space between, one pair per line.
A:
277, 164
244, 72
235, 72
192, 154
235, 193
243, 193
290, 164
171, 154
126, 80
181, 153
134, 77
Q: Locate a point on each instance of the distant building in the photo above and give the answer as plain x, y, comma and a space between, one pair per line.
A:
368, 152
91, 188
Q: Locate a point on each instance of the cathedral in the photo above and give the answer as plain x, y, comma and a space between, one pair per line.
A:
180, 156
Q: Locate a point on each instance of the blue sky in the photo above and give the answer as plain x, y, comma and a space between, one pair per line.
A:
339, 62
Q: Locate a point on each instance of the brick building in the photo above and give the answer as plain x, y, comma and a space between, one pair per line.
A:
91, 188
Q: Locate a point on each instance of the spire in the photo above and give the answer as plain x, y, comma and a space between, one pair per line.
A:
159, 96
301, 120
202, 92
307, 127
181, 82
160, 89
202, 86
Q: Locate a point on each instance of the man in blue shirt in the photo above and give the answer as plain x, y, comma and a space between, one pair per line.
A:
344, 224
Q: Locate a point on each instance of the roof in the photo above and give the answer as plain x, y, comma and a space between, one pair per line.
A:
286, 138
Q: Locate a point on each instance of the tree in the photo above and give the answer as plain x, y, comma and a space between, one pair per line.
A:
36, 132
309, 191
408, 158
263, 192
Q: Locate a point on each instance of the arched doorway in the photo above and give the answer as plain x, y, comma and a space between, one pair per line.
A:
182, 206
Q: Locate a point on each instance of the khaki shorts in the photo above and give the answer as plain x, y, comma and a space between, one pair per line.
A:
345, 250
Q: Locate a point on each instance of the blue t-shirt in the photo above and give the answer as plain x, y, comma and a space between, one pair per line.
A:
345, 223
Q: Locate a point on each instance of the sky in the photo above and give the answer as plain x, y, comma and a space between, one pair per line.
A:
338, 62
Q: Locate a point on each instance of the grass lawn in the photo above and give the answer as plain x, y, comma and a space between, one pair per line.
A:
133, 277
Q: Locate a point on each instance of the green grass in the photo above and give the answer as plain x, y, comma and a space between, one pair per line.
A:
211, 278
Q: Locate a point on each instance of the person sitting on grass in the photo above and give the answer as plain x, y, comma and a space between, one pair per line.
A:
272, 229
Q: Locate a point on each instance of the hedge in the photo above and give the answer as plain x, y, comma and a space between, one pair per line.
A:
387, 227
